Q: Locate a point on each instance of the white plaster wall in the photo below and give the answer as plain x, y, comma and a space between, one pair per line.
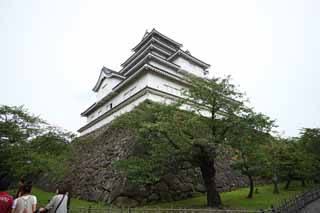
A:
106, 87
123, 95
121, 111
150, 79
161, 83
189, 66
126, 109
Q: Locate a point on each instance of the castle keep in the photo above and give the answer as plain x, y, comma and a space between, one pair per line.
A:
155, 71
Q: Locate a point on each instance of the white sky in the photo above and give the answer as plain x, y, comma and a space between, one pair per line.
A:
51, 52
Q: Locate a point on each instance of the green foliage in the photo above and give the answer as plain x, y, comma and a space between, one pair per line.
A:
217, 119
247, 141
30, 146
296, 163
16, 124
218, 100
310, 139
165, 137
170, 136
290, 159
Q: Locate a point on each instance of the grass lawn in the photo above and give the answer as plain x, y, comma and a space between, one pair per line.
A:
237, 199
232, 200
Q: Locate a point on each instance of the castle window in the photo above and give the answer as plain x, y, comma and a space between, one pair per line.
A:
109, 106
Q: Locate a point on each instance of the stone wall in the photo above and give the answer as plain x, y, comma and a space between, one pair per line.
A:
92, 176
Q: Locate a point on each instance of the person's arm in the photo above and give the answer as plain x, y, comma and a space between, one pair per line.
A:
14, 205
34, 206
50, 205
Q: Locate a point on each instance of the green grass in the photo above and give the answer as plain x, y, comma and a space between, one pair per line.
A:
237, 199
231, 200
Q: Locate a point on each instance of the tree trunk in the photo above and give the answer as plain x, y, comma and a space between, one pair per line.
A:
288, 184
303, 183
250, 195
275, 187
208, 172
275, 181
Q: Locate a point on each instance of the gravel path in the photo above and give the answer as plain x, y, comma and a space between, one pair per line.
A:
313, 207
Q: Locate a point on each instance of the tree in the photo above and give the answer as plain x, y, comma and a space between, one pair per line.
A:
247, 140
273, 161
165, 139
310, 138
16, 127
219, 101
296, 164
171, 136
28, 145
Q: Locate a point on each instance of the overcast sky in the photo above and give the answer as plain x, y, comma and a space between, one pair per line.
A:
51, 52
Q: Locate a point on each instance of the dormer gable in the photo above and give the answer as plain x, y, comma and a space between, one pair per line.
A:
104, 74
107, 80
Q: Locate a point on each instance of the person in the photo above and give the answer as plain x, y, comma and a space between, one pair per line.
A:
59, 202
26, 203
6, 200
21, 183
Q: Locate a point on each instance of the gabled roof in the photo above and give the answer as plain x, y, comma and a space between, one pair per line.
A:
155, 32
189, 57
106, 73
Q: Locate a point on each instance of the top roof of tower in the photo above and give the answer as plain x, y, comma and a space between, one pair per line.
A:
155, 33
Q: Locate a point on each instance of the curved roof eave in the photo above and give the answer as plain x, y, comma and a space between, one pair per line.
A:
190, 57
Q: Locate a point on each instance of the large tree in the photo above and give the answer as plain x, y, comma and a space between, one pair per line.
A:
222, 105
28, 145
170, 136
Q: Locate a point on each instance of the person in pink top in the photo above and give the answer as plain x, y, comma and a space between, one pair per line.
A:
6, 200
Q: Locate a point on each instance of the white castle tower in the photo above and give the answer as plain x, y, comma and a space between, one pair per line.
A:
155, 71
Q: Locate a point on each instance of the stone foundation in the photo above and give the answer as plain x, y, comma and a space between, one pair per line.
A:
92, 176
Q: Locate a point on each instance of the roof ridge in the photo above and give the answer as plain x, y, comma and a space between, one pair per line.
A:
157, 32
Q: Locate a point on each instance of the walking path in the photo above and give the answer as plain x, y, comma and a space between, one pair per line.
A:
313, 207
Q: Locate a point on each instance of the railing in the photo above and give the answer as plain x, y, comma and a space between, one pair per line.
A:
157, 210
293, 205
298, 202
